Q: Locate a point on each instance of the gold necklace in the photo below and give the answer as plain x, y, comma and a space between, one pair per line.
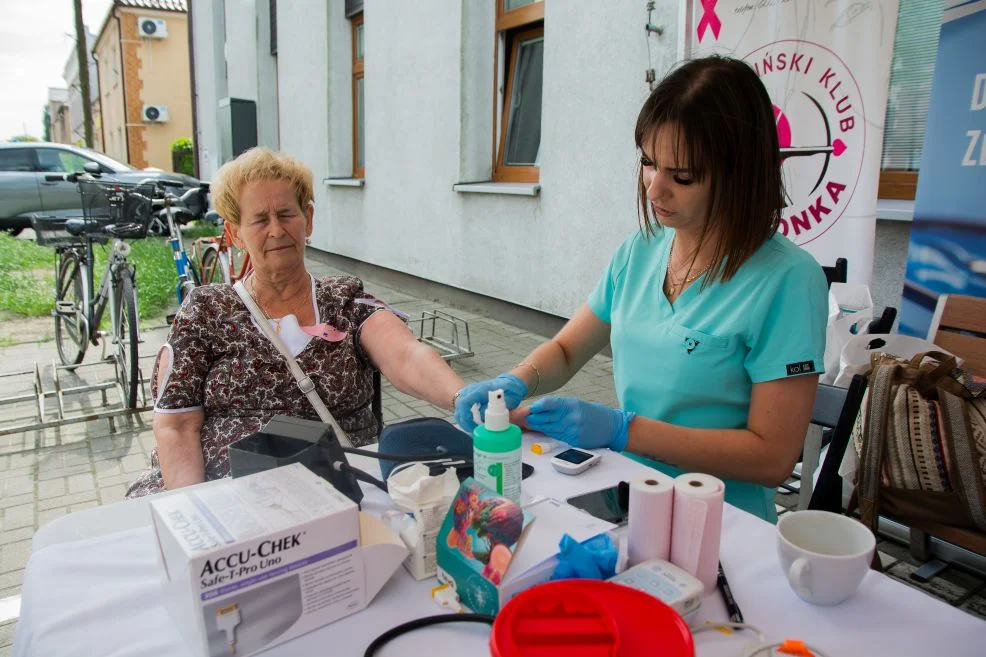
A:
675, 286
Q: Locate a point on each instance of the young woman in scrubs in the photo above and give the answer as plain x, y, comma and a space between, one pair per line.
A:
716, 321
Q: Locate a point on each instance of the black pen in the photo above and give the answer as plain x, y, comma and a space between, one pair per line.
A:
735, 615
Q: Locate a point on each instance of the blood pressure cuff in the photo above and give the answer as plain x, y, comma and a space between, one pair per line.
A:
425, 437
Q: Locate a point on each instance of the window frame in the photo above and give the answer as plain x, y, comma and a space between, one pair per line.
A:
902, 183
521, 24
32, 159
898, 184
40, 154
358, 74
272, 24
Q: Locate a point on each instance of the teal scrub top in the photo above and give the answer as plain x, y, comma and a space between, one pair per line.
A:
693, 363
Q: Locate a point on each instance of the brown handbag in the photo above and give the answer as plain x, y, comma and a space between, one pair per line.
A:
921, 441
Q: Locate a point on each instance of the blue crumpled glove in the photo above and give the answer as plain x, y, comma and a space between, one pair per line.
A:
593, 559
514, 391
581, 423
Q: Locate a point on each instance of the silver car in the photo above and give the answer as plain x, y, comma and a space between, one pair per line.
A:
24, 190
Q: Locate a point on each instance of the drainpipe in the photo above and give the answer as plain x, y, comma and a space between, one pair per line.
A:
99, 99
123, 83
195, 93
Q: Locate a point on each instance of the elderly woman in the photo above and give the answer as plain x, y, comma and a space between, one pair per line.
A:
219, 378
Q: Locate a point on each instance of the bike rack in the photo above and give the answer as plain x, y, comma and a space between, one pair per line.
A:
45, 419
446, 342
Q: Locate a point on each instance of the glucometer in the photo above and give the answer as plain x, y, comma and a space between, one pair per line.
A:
574, 461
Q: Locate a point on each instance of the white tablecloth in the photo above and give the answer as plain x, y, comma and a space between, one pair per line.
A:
101, 595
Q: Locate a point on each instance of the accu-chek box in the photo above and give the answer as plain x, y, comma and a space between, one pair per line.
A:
252, 562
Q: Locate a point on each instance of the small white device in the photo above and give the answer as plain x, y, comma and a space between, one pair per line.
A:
574, 461
227, 618
665, 581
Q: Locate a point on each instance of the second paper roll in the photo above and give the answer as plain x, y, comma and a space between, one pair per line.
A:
651, 503
698, 500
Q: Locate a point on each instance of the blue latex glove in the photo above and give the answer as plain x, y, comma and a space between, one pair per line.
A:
580, 423
593, 559
514, 391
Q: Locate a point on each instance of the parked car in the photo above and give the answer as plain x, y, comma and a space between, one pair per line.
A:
24, 190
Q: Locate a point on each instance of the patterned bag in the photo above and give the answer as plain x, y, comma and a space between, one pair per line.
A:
921, 441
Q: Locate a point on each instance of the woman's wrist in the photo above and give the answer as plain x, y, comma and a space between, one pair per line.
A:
455, 397
525, 369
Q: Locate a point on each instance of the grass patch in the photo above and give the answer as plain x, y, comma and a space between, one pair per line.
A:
26, 272
27, 293
198, 229
20, 255
27, 276
156, 276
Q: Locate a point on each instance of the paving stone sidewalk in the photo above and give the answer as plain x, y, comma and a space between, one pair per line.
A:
47, 474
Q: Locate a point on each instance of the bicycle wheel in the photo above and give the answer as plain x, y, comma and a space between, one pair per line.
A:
212, 267
126, 339
71, 328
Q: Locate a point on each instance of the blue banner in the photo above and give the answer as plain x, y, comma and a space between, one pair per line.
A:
947, 254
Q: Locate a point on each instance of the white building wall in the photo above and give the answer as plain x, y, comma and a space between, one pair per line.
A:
302, 51
428, 69
207, 18
429, 72
266, 74
233, 59
241, 48
71, 76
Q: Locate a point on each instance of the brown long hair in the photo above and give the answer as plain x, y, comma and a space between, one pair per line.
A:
725, 126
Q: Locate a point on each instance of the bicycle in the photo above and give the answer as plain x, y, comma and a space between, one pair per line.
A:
120, 211
219, 261
169, 206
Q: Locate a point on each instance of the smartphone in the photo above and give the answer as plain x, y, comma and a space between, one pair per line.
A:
609, 504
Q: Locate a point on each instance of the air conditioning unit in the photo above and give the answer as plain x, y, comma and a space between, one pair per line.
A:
152, 28
155, 114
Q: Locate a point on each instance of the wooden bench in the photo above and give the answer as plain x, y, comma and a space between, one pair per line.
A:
958, 326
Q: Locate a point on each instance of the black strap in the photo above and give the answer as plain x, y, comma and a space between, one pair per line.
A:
419, 623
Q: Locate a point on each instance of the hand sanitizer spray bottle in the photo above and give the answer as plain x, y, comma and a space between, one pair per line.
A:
496, 449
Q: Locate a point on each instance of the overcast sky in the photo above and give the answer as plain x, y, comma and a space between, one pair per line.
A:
36, 38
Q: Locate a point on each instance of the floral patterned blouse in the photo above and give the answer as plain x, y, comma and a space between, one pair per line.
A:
223, 365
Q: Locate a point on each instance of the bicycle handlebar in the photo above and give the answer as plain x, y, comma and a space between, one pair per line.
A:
69, 177
191, 196
160, 182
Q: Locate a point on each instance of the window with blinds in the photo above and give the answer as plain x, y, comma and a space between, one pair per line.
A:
911, 73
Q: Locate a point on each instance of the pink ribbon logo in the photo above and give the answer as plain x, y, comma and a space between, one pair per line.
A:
709, 20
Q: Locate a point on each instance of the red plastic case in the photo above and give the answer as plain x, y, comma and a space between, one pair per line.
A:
588, 618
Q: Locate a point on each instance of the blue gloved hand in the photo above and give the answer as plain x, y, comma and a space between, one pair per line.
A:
580, 423
514, 391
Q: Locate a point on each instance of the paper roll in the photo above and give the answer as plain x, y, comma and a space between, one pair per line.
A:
651, 503
698, 500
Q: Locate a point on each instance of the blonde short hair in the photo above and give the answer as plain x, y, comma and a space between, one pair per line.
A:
257, 165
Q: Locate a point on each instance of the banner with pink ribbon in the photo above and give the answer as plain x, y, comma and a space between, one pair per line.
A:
826, 65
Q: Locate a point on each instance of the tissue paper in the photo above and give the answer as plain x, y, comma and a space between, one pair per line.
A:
412, 487
427, 499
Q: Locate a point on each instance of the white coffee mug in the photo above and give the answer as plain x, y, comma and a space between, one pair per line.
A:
824, 555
